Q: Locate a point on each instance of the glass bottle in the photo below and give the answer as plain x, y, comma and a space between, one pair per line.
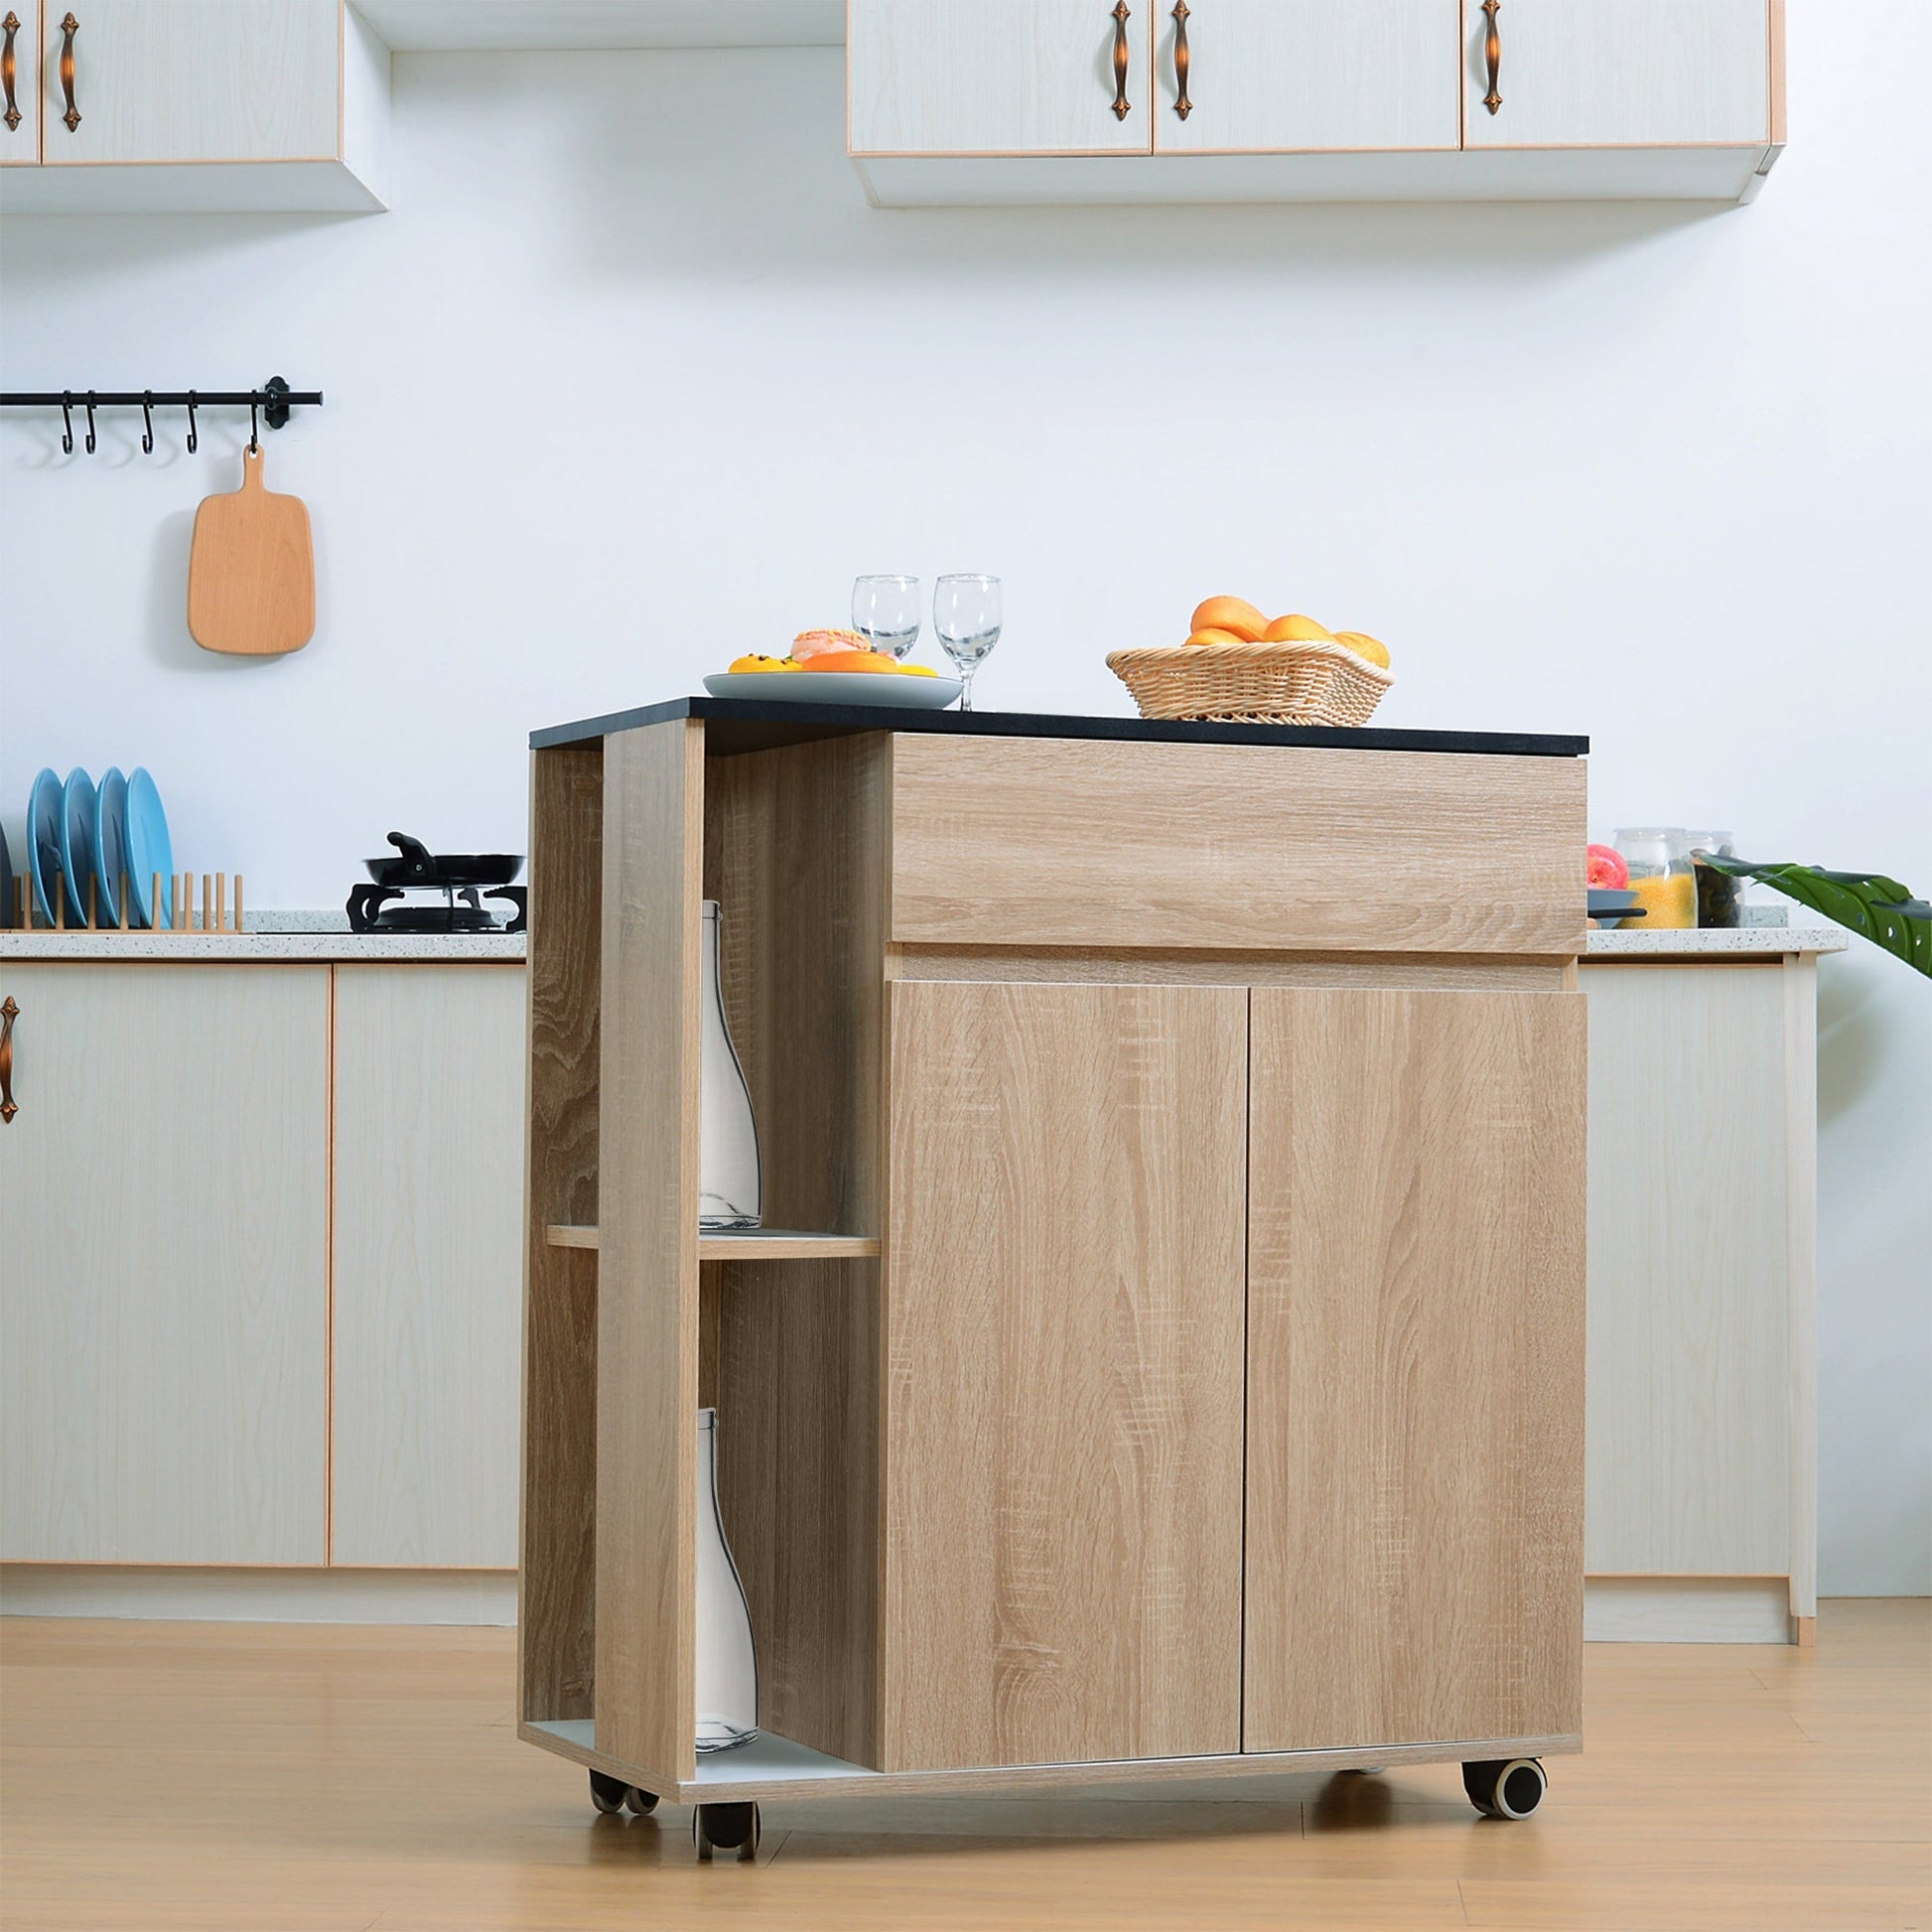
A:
728, 1660
728, 1136
1718, 892
1661, 876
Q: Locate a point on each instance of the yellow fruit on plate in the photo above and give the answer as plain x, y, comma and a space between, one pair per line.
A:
1363, 645
758, 661
1212, 635
1296, 630
917, 670
1233, 614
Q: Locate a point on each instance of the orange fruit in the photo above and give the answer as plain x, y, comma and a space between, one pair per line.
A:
849, 660
1296, 630
1230, 614
917, 670
757, 661
1213, 637
1363, 645
809, 643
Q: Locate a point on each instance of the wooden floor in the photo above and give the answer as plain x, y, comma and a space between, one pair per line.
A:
292, 1778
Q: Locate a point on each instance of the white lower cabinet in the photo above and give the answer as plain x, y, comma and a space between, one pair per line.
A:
429, 1264
261, 1263
1701, 1458
164, 1206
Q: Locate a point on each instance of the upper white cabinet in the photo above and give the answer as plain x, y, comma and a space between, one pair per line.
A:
202, 105
1262, 75
1580, 73
194, 80
1258, 100
164, 1217
1000, 77
20, 69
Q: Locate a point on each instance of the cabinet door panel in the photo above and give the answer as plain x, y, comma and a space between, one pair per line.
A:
994, 76
163, 1254
429, 1264
20, 145
1063, 1419
1271, 75
196, 81
1415, 1367
1690, 1315
1580, 74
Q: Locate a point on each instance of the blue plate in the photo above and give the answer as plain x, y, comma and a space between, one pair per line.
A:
43, 840
77, 842
148, 850
110, 841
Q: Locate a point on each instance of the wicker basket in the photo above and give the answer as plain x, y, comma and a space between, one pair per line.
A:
1290, 684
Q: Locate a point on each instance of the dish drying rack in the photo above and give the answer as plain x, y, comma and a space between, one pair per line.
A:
177, 894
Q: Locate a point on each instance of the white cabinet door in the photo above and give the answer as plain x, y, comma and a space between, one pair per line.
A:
163, 1242
20, 129
1580, 74
1284, 75
429, 1264
1689, 1418
996, 77
194, 80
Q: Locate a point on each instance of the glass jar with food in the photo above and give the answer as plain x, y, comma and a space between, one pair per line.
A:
1661, 876
1718, 902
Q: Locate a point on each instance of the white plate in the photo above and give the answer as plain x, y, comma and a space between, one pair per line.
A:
837, 687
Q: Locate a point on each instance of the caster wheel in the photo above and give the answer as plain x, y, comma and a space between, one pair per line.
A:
639, 1801
608, 1793
725, 1827
1505, 1787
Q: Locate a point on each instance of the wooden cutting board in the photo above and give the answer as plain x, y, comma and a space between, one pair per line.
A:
251, 574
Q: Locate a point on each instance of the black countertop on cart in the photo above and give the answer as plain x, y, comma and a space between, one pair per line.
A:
747, 725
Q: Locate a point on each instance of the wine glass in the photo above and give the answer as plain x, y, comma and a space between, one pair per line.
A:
885, 613
966, 614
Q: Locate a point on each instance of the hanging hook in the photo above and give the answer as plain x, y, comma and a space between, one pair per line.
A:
193, 440
254, 440
147, 422
91, 422
66, 417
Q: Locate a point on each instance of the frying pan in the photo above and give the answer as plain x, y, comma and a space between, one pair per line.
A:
418, 866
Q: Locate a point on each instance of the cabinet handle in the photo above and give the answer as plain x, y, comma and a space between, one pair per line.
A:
1492, 53
1121, 18
8, 1009
68, 28
1182, 105
8, 71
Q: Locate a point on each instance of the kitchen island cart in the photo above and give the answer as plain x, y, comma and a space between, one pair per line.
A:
1164, 1352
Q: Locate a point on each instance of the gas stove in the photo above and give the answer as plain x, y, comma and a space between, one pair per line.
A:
424, 892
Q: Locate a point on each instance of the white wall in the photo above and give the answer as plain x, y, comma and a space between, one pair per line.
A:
631, 380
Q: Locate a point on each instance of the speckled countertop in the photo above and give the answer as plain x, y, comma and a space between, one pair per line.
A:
317, 944
1709, 944
295, 949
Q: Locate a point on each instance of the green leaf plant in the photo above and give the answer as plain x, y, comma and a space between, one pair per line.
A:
1877, 907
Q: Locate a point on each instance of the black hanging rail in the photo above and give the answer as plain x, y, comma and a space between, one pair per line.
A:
274, 400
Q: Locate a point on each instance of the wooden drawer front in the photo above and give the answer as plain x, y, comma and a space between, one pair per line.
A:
1045, 842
